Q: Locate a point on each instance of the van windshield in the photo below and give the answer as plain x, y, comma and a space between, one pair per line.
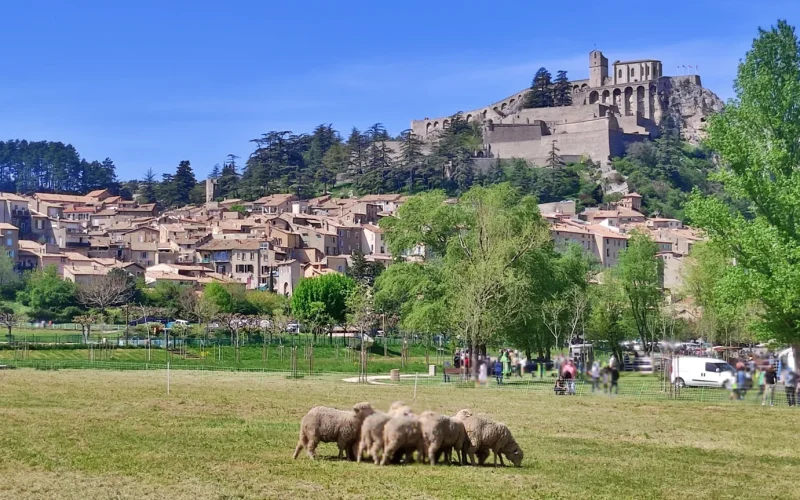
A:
724, 367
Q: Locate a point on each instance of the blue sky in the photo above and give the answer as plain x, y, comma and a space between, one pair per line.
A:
151, 83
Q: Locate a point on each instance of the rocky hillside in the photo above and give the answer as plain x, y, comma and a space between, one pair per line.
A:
691, 105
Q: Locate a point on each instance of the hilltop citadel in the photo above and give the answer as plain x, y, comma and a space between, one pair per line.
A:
609, 110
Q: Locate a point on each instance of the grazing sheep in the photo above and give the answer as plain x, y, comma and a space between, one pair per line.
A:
371, 441
441, 434
402, 434
484, 436
328, 425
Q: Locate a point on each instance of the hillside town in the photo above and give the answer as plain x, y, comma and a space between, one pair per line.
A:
273, 242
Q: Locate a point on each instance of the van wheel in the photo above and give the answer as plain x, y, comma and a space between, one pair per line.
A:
680, 383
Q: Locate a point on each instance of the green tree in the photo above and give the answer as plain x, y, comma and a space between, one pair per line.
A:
541, 92
424, 220
607, 324
10, 281
45, 291
756, 138
147, 188
640, 272
330, 289
715, 283
184, 182
562, 90
363, 271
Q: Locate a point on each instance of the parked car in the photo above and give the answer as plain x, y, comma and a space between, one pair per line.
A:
691, 371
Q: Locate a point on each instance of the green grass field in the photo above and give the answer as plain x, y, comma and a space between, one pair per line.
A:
326, 358
88, 434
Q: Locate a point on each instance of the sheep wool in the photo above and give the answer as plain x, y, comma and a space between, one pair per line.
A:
442, 434
329, 425
485, 435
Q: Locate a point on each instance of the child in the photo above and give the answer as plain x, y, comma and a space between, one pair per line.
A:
498, 372
606, 373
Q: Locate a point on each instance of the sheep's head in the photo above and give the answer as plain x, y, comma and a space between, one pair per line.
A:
514, 453
462, 414
363, 410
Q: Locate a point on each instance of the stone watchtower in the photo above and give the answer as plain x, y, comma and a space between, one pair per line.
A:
598, 69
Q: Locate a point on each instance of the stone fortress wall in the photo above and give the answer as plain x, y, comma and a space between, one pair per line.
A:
610, 110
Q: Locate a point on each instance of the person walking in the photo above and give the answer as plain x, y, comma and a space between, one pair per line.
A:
741, 382
498, 372
606, 374
595, 374
790, 382
614, 381
506, 364
770, 379
760, 377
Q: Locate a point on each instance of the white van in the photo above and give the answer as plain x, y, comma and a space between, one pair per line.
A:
690, 371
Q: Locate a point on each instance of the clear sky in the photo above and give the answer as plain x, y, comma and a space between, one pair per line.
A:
150, 83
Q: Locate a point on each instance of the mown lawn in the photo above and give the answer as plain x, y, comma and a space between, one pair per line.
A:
88, 434
326, 358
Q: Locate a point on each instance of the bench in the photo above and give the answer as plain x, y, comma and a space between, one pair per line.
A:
451, 371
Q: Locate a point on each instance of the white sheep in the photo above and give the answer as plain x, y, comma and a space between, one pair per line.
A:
402, 434
329, 425
371, 441
485, 435
441, 434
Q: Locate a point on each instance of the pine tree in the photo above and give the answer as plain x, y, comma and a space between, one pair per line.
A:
184, 181
215, 172
228, 181
562, 90
147, 188
541, 93
411, 157
554, 160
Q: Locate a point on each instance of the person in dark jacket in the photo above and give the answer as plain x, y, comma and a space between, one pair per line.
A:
770, 379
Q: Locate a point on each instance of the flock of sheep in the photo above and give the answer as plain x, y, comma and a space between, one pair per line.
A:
394, 436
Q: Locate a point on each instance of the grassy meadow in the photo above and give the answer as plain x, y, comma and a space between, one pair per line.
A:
87, 434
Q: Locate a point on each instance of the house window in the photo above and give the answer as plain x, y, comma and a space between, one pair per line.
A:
620, 73
608, 252
252, 256
143, 255
9, 242
348, 234
382, 251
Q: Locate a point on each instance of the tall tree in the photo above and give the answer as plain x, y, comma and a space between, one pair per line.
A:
147, 188
329, 289
562, 90
184, 181
554, 160
541, 92
640, 272
756, 138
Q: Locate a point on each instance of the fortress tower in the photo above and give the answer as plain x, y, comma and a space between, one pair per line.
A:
598, 69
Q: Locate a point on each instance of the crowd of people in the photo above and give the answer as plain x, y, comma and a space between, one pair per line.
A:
766, 377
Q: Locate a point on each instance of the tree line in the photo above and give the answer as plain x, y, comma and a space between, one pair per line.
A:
31, 166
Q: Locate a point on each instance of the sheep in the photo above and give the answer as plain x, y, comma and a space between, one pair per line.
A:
484, 436
441, 434
328, 425
372, 431
402, 434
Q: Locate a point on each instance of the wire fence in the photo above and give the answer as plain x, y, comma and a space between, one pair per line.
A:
629, 387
